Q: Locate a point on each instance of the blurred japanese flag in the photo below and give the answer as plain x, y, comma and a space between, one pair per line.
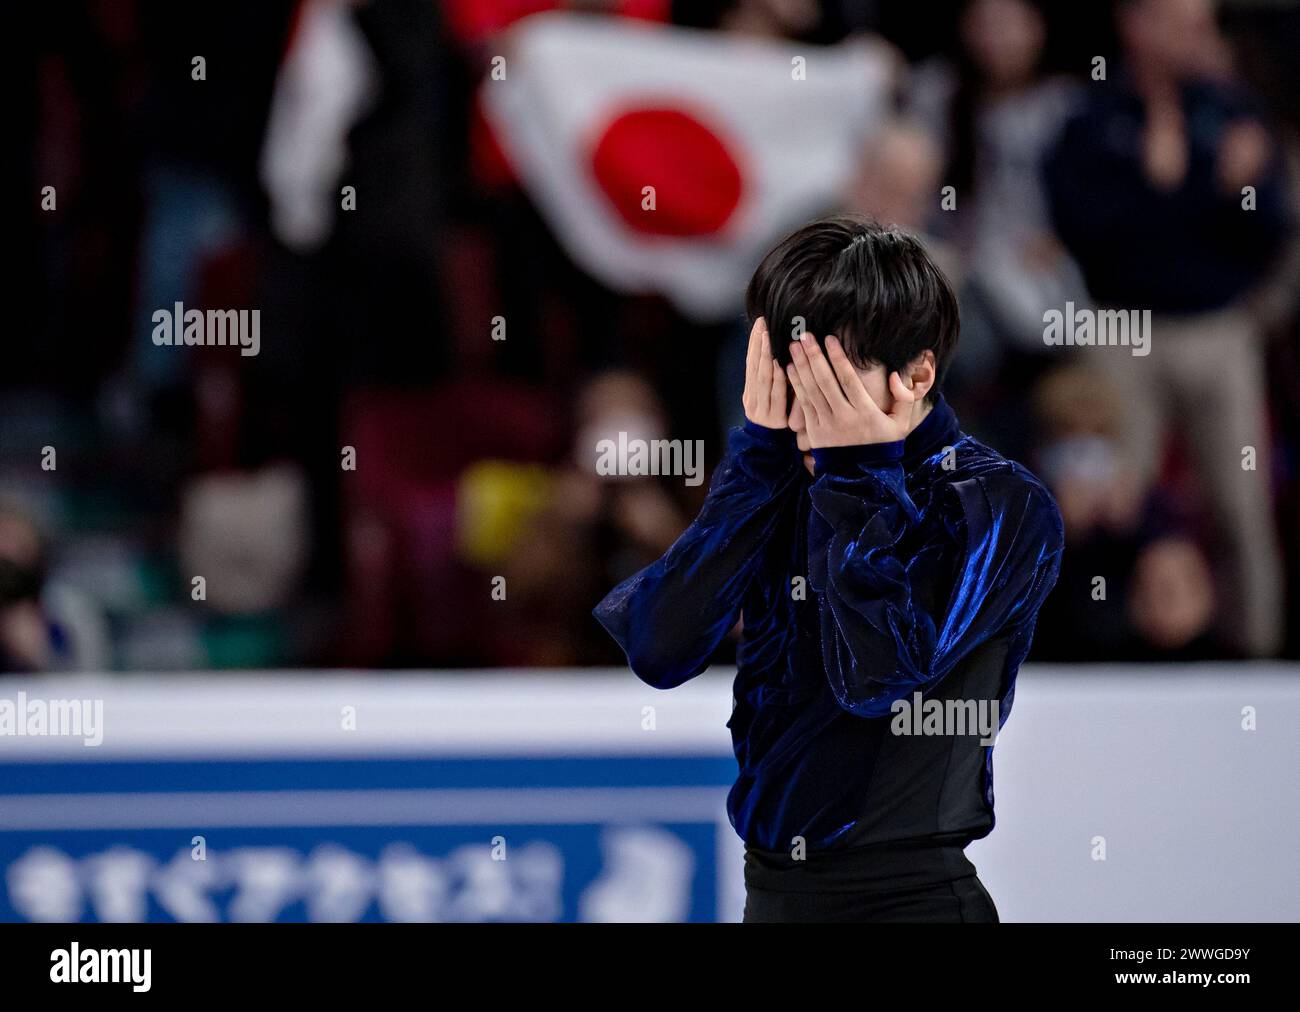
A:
669, 159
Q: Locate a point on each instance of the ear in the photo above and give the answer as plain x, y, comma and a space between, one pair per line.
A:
920, 374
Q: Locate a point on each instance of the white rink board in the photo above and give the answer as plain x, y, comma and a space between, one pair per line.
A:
1199, 818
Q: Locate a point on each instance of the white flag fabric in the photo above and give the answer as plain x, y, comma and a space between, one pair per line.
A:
669, 159
327, 81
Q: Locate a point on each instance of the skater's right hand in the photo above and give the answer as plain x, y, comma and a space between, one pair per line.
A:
765, 396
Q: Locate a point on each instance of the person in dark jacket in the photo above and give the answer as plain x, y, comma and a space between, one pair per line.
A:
1169, 190
887, 569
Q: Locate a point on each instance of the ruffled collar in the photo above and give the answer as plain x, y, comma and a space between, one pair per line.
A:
938, 429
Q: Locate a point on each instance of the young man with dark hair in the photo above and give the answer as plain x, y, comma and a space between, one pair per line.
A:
881, 562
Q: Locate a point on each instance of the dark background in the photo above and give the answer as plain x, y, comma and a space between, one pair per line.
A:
378, 340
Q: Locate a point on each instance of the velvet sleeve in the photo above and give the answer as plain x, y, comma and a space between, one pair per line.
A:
670, 617
908, 591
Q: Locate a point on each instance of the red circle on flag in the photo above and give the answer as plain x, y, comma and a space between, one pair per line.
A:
697, 183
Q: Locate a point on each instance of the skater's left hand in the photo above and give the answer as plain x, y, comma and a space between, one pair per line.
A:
837, 409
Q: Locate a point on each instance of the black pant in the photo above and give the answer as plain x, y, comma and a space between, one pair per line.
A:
879, 884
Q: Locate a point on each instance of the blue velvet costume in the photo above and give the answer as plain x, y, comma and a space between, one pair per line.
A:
925, 562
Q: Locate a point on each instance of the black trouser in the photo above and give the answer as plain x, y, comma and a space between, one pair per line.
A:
882, 884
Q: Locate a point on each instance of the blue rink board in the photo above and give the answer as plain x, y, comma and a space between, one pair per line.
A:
462, 839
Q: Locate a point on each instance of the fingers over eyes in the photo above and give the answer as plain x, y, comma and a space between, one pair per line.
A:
813, 396
806, 402
824, 376
777, 381
752, 352
850, 381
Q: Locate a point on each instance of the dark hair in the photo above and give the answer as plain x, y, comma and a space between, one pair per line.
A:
874, 288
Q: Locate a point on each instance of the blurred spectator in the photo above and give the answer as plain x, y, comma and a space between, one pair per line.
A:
1172, 602
593, 531
27, 640
1149, 191
45, 625
247, 535
1124, 543
995, 112
897, 180
772, 18
413, 590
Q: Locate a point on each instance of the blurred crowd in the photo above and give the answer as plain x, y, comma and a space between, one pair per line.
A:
386, 484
